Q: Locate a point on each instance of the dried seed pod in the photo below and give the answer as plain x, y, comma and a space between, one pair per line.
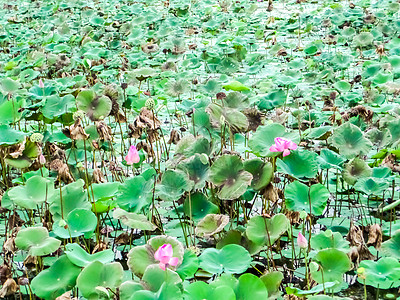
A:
174, 137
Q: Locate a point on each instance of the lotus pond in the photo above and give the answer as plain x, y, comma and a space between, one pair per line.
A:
187, 149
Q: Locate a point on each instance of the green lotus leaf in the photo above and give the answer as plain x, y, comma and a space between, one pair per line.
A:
78, 222
299, 196
228, 173
56, 106
154, 277
264, 138
128, 288
272, 281
211, 224
371, 186
329, 239
97, 274
199, 290
140, 257
96, 107
133, 220
79, 257
190, 265
9, 136
36, 240
363, 39
251, 287
196, 169
73, 196
174, 183
56, 280
190, 145
266, 231
329, 159
104, 191
382, 274
299, 164
391, 247
262, 173
135, 193
272, 100
320, 133
35, 192
355, 170
11, 111
236, 86
9, 86
380, 138
342, 86
30, 152
197, 206
236, 121
350, 141
333, 263
230, 259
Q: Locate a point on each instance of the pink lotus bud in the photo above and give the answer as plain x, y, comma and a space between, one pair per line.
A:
283, 145
164, 256
41, 84
302, 241
42, 159
133, 156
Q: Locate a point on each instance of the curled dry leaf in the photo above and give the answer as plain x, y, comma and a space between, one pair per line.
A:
375, 236
77, 132
98, 176
104, 131
9, 288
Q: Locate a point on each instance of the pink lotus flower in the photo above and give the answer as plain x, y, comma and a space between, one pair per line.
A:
283, 145
133, 156
42, 159
164, 255
41, 84
302, 241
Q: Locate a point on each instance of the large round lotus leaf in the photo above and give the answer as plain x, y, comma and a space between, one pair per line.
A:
228, 173
79, 257
264, 138
95, 107
380, 138
135, 193
10, 111
133, 220
263, 231
104, 191
79, 221
342, 86
320, 133
272, 281
262, 173
196, 169
73, 196
350, 141
230, 259
56, 280
36, 240
55, 106
189, 266
154, 277
9, 86
140, 257
328, 159
174, 183
333, 264
97, 274
363, 39
236, 86
9, 136
382, 274
329, 239
391, 248
211, 224
232, 117
356, 169
371, 185
190, 145
199, 290
251, 287
299, 196
166, 292
128, 288
197, 206
272, 100
35, 192
299, 164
